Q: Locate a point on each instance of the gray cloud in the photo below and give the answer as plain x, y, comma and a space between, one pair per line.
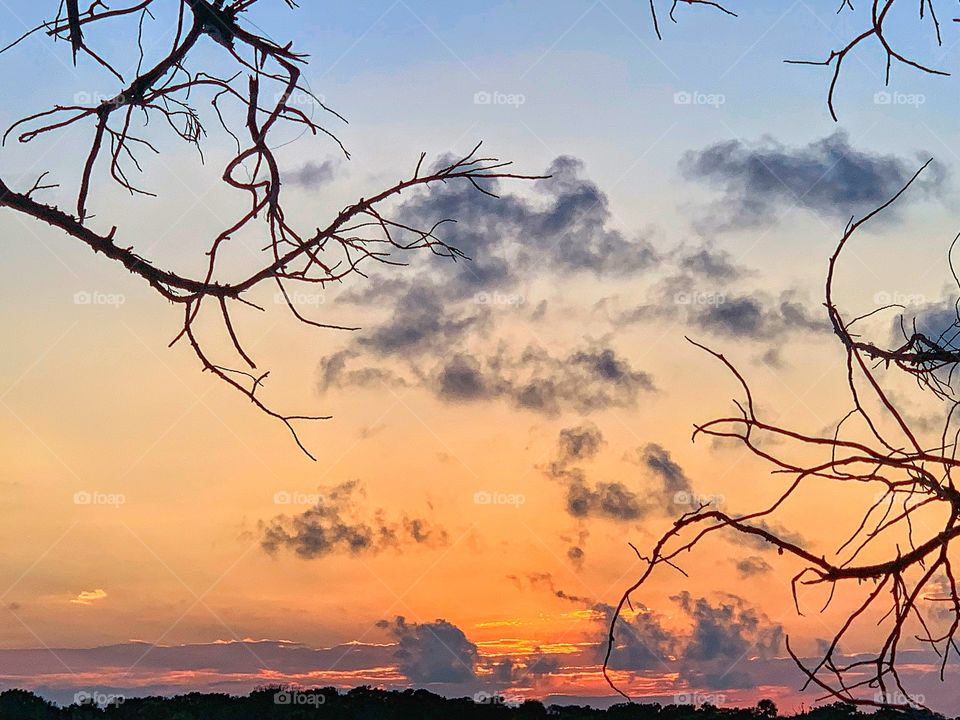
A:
578, 443
339, 523
612, 500
435, 652
827, 176
722, 636
311, 175
752, 566
562, 229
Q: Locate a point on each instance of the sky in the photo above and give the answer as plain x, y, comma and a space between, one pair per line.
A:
502, 426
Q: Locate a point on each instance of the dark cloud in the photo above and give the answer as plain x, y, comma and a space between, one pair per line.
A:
578, 443
339, 523
752, 566
611, 500
722, 636
711, 264
642, 642
311, 175
435, 652
658, 461
827, 176
757, 317
421, 322
586, 380
440, 309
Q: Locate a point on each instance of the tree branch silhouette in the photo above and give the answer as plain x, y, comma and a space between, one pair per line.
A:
909, 478
361, 233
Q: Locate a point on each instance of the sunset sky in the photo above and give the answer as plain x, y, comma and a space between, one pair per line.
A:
502, 426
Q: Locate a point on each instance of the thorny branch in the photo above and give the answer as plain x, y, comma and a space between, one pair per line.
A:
909, 477
360, 234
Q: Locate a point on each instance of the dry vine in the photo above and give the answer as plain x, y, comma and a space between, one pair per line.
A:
909, 477
316, 256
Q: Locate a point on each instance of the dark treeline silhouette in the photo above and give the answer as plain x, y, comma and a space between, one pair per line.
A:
365, 703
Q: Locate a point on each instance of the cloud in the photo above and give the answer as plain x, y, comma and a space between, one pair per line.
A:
658, 461
339, 523
88, 597
641, 642
827, 176
443, 310
752, 566
758, 317
436, 652
311, 175
758, 543
578, 443
722, 636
